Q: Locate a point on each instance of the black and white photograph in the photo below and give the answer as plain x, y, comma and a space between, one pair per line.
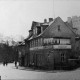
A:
39, 39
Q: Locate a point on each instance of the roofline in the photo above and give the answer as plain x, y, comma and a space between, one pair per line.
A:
70, 28
51, 24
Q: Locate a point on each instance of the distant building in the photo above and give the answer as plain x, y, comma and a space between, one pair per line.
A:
74, 21
21, 53
50, 44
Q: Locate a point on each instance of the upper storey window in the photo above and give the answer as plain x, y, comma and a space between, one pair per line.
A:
38, 30
34, 31
59, 28
65, 41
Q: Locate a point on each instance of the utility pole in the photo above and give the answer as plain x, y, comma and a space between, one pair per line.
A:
53, 10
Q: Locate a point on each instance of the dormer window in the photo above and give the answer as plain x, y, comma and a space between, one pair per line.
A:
59, 28
38, 30
34, 31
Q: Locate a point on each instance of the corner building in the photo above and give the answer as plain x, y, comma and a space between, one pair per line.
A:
50, 43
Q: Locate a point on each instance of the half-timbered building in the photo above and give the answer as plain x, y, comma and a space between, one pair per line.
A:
50, 44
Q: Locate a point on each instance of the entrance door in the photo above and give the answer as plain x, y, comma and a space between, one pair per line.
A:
51, 59
63, 59
39, 60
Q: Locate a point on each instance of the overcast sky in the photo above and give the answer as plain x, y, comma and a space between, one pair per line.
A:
16, 16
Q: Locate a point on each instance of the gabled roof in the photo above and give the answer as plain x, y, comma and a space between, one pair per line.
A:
53, 24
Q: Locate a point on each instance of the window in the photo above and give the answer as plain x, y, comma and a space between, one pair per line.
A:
48, 40
34, 31
30, 43
38, 30
59, 28
40, 41
62, 57
33, 43
37, 42
56, 41
64, 41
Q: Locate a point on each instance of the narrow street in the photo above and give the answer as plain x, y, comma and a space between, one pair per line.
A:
10, 72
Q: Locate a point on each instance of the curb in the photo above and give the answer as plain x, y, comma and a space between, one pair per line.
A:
39, 70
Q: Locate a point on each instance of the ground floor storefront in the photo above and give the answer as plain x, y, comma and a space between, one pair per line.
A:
49, 59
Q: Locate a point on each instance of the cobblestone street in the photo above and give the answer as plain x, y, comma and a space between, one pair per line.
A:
10, 72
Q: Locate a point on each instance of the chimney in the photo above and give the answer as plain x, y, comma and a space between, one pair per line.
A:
69, 19
45, 20
50, 19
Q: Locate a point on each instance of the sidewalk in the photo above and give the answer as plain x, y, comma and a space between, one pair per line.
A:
39, 70
36, 69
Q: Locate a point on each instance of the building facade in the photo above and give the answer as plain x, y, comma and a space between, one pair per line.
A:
50, 44
21, 53
74, 21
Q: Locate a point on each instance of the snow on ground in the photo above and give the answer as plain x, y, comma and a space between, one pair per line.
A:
10, 72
